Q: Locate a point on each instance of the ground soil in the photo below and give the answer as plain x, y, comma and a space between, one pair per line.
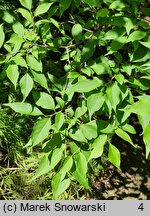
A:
132, 182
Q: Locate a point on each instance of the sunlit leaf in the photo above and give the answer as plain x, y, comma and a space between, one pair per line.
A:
146, 138
40, 130
98, 147
59, 120
26, 85
13, 74
34, 63
80, 111
94, 103
89, 130
113, 94
114, 156
42, 8
2, 36
26, 14
44, 100
18, 29
85, 85
122, 134
23, 108
81, 170
40, 78
58, 185
77, 32
43, 167
141, 107
19, 60
26, 3
77, 135
129, 128
102, 13
136, 35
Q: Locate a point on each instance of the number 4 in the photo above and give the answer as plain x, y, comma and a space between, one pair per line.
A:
141, 207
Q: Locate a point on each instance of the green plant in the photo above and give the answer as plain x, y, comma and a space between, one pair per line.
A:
81, 76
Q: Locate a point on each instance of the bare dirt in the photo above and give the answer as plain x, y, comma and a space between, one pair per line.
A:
132, 182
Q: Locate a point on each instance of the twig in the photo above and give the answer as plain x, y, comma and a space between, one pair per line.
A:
14, 168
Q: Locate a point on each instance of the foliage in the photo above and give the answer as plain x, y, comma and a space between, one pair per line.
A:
80, 68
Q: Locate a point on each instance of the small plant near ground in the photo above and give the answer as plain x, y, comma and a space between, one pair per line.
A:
80, 70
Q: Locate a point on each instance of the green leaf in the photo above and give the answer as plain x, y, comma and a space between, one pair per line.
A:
81, 170
53, 143
56, 156
26, 14
7, 17
117, 21
13, 74
18, 29
66, 166
89, 130
48, 162
19, 60
85, 85
42, 8
118, 43
102, 13
40, 78
34, 63
60, 102
88, 50
94, 103
141, 107
59, 83
94, 3
76, 134
64, 5
26, 85
136, 35
43, 167
114, 156
59, 121
104, 126
58, 185
100, 68
26, 3
129, 24
122, 134
111, 34
113, 94
146, 44
77, 32
117, 5
146, 138
2, 36
129, 128
144, 121
23, 108
80, 111
98, 147
36, 112
44, 100
120, 78
40, 130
